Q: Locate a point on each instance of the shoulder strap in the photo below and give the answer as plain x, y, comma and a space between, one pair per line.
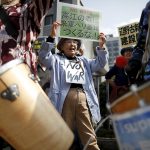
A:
10, 28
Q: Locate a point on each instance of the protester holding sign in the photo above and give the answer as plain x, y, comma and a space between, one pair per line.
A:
72, 90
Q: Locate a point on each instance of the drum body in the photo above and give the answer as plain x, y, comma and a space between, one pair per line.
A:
28, 120
130, 101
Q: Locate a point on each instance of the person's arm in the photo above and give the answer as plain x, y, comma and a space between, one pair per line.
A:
109, 76
45, 54
102, 55
135, 63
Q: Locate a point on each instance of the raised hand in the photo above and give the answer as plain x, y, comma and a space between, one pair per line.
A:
102, 40
54, 29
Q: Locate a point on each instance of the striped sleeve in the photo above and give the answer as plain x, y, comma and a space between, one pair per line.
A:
38, 9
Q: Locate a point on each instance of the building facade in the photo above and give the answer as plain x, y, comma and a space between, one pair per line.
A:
114, 46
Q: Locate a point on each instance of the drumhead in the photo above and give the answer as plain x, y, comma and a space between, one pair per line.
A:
9, 65
132, 98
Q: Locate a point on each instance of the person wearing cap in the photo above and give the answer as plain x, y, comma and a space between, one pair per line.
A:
72, 90
117, 77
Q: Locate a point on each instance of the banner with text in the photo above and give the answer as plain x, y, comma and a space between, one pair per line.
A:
132, 129
78, 22
128, 34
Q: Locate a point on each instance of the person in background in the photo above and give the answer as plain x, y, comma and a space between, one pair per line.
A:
117, 77
135, 64
72, 90
44, 77
127, 52
20, 22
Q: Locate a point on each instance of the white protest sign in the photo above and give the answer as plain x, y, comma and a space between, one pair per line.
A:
78, 22
74, 72
128, 34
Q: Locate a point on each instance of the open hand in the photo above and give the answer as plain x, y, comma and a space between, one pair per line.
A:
54, 29
102, 40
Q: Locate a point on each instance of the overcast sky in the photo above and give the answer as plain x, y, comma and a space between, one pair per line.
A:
116, 13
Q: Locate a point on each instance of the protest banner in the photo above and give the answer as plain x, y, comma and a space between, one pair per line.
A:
132, 129
78, 22
128, 34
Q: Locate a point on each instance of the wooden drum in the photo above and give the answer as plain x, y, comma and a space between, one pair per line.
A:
28, 120
130, 101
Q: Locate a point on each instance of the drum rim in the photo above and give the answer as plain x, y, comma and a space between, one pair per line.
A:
145, 85
9, 65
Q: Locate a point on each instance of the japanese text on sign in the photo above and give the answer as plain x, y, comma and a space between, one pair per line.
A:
128, 34
78, 22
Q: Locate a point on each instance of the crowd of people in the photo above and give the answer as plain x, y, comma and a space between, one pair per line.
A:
133, 67
71, 88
